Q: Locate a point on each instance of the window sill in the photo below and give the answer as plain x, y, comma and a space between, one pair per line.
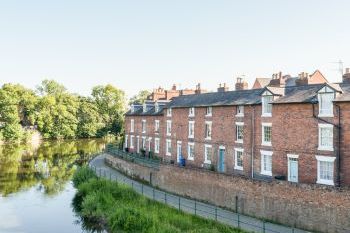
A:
168, 154
168, 134
266, 173
238, 168
240, 115
207, 138
190, 115
266, 115
325, 115
207, 162
239, 141
191, 137
190, 159
326, 182
325, 148
209, 115
266, 144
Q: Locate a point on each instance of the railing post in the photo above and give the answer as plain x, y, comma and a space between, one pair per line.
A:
142, 189
195, 207
132, 184
110, 175
216, 213
264, 226
154, 194
100, 172
293, 230
179, 203
239, 223
165, 198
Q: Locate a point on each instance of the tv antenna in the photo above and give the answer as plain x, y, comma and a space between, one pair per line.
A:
340, 67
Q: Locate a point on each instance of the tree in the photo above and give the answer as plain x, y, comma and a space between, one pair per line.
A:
140, 98
111, 105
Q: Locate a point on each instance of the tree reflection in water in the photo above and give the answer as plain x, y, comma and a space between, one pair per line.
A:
49, 166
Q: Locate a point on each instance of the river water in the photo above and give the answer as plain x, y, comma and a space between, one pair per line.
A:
35, 185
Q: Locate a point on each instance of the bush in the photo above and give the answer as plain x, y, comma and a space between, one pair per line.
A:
83, 174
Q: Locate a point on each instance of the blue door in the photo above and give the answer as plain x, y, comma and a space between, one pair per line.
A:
221, 167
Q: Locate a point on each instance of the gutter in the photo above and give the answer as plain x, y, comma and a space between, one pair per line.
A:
338, 154
252, 140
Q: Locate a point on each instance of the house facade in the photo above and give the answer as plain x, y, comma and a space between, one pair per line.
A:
294, 129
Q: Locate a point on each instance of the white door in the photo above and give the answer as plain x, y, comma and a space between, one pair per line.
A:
178, 151
293, 169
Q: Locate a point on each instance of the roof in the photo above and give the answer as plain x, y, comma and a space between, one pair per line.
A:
345, 96
138, 110
241, 97
263, 82
300, 94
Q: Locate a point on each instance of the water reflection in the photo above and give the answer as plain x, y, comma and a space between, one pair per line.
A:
48, 167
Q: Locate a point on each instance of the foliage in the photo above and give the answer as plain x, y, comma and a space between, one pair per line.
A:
82, 175
107, 205
140, 98
58, 114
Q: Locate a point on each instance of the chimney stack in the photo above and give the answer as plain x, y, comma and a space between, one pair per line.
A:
346, 76
223, 88
241, 84
174, 87
198, 89
303, 79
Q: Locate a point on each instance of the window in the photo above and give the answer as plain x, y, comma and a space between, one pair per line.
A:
266, 105
138, 144
191, 112
191, 129
156, 145
325, 102
208, 130
240, 110
168, 147
239, 132
126, 141
190, 151
132, 108
143, 143
266, 134
238, 159
168, 112
131, 141
325, 170
325, 137
156, 107
144, 108
149, 143
266, 163
132, 125
156, 126
168, 128
207, 154
209, 111
143, 126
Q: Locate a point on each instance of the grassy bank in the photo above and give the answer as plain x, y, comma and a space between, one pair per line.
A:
104, 204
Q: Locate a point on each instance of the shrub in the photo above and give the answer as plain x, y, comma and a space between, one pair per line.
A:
83, 174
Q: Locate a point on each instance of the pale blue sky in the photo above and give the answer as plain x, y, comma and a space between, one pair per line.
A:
143, 44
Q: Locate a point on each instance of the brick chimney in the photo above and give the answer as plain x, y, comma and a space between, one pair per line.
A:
198, 89
346, 76
303, 79
277, 80
241, 84
174, 87
223, 88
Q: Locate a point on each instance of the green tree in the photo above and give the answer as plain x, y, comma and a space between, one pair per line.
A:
90, 121
140, 98
57, 111
111, 105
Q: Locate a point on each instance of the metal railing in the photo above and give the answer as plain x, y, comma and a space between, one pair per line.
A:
133, 157
198, 208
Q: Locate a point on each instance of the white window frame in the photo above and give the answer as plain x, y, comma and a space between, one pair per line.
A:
126, 141
144, 126
156, 107
210, 123
188, 151
131, 141
168, 127
156, 145
143, 143
132, 108
206, 160
321, 147
138, 144
156, 126
236, 166
149, 143
292, 156
169, 112
132, 125
322, 112
189, 127
263, 142
262, 169
167, 143
239, 124
144, 108
329, 159
240, 111
209, 111
264, 113
191, 112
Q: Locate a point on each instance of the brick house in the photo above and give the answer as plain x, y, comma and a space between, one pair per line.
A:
294, 129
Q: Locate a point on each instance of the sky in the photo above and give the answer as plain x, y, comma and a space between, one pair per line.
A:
143, 44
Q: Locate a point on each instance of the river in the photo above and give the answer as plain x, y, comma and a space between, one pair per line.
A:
35, 185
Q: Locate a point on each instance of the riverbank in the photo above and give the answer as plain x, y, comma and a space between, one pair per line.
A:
117, 207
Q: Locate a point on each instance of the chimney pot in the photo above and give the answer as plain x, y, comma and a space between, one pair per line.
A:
347, 70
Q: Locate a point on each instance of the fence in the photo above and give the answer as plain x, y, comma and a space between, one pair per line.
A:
198, 208
133, 157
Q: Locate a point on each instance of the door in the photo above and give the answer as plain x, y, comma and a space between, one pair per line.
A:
221, 166
138, 145
293, 169
179, 151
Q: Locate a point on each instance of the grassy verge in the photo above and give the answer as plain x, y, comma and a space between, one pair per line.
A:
107, 205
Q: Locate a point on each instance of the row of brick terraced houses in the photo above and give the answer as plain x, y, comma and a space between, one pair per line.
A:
294, 128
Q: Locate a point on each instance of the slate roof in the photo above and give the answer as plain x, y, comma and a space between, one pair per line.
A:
299, 94
138, 111
345, 96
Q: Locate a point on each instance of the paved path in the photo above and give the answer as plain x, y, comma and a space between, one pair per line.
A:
191, 206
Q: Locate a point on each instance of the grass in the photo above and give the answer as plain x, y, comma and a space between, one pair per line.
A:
107, 205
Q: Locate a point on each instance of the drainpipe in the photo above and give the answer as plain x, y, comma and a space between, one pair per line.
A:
252, 140
338, 142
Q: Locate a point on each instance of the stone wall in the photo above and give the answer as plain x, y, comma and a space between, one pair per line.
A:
312, 207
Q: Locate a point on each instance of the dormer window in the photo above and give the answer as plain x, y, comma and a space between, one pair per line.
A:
168, 112
209, 111
191, 112
325, 102
240, 110
144, 107
132, 108
266, 100
156, 107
